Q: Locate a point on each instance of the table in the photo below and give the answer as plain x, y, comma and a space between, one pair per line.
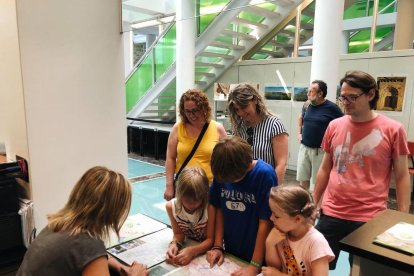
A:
372, 259
146, 240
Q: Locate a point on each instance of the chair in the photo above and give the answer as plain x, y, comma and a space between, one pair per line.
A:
411, 164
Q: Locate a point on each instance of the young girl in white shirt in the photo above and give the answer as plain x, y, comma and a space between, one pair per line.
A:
294, 246
191, 216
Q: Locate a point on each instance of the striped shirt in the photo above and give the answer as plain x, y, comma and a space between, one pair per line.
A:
263, 134
193, 226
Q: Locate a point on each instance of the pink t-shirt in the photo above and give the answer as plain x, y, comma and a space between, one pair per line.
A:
296, 256
362, 155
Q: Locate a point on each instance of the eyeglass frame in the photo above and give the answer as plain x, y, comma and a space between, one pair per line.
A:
349, 99
192, 111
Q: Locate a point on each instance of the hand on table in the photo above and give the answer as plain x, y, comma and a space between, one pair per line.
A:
136, 269
247, 271
215, 256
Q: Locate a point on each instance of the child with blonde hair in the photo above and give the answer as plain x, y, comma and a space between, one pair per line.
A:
294, 246
190, 216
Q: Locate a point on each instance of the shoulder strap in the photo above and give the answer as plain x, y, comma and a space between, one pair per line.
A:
190, 155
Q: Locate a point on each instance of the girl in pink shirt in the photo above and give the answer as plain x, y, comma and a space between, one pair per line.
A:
294, 246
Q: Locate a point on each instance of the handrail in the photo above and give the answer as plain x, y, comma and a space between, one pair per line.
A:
148, 121
149, 50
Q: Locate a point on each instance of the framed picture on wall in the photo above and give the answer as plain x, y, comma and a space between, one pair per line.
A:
391, 93
277, 92
300, 93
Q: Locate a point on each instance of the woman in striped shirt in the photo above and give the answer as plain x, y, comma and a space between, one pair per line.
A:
262, 130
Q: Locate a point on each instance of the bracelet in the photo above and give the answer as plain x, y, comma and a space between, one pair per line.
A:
218, 248
253, 263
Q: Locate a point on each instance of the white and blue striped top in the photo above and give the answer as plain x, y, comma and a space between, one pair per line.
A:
263, 134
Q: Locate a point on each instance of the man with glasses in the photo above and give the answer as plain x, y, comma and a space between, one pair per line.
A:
362, 149
313, 121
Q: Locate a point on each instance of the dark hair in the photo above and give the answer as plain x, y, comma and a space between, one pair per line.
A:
231, 159
200, 99
293, 200
363, 81
322, 87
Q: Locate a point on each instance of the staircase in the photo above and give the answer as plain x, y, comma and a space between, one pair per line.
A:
240, 31
234, 31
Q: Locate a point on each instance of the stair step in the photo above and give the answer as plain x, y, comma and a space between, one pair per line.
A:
238, 35
248, 23
212, 54
217, 65
200, 82
261, 11
284, 2
159, 118
227, 45
207, 74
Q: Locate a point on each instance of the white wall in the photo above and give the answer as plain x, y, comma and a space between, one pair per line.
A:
12, 113
296, 71
73, 86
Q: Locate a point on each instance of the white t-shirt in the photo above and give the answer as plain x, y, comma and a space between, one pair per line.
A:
194, 225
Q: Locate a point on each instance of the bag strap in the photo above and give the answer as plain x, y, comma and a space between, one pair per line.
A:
190, 155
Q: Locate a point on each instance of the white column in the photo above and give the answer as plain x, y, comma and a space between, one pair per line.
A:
128, 49
404, 27
185, 47
327, 43
345, 42
65, 79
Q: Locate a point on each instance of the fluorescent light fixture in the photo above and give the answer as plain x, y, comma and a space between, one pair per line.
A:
282, 81
152, 22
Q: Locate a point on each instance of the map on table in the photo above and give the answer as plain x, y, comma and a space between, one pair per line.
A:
135, 226
200, 267
149, 250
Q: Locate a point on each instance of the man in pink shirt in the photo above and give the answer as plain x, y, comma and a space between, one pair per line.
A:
362, 149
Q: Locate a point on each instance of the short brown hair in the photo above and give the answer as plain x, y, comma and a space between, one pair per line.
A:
293, 200
363, 81
192, 183
231, 159
99, 202
200, 99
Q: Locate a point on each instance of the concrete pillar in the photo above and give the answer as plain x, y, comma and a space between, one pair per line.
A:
128, 50
327, 43
149, 39
63, 86
345, 42
404, 27
185, 44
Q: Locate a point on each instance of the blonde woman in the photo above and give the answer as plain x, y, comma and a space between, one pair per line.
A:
72, 242
263, 131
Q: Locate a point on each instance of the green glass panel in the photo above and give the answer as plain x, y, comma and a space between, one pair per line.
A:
360, 42
139, 82
360, 8
165, 52
209, 9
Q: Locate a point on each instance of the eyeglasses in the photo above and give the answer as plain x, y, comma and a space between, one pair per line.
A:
192, 111
249, 132
350, 99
